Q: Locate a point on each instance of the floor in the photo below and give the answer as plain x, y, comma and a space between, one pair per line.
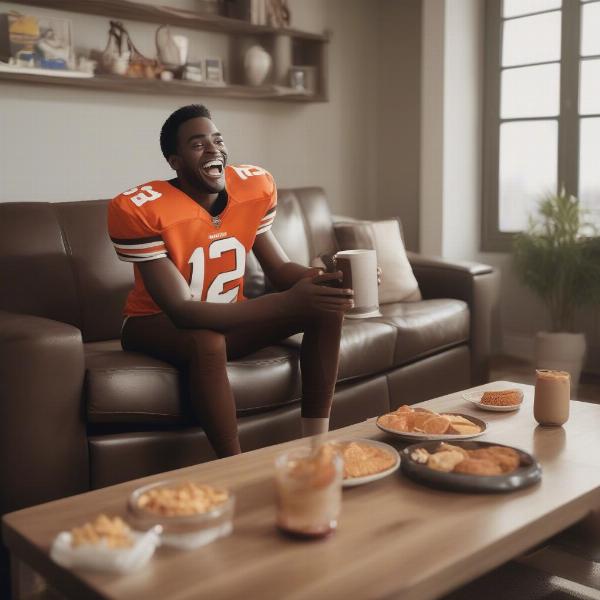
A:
513, 369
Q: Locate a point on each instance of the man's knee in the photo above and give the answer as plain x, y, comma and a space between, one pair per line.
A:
206, 345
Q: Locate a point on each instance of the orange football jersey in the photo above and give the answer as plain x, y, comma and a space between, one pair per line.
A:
157, 220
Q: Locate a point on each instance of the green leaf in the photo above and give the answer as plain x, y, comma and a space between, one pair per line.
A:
558, 258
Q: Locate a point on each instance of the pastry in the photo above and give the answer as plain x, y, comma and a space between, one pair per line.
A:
478, 466
420, 455
445, 460
502, 398
444, 446
506, 458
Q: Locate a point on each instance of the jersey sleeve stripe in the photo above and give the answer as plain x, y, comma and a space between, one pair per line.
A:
141, 254
136, 241
140, 246
263, 229
269, 216
264, 223
271, 210
127, 258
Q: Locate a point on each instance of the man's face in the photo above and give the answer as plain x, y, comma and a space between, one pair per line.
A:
201, 155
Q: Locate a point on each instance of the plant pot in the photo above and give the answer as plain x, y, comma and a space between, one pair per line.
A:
561, 352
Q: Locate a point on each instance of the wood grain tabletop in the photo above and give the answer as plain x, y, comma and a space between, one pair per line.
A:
395, 539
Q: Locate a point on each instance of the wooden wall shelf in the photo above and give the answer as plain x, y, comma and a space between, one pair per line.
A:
309, 49
114, 83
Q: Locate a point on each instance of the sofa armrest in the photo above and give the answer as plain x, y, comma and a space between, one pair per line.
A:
478, 285
43, 442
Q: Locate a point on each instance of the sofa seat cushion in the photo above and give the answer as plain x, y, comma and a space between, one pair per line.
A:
367, 347
128, 387
426, 327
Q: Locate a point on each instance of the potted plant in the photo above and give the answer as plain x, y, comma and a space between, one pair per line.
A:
558, 257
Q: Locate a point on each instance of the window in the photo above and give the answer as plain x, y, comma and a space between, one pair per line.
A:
542, 110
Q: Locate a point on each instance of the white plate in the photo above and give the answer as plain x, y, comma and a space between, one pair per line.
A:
475, 398
430, 437
368, 478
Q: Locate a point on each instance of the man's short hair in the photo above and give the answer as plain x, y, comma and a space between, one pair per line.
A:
168, 133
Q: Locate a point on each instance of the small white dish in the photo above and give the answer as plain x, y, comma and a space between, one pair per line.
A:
353, 481
475, 398
100, 557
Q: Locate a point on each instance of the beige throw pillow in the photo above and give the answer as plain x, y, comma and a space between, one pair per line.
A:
398, 281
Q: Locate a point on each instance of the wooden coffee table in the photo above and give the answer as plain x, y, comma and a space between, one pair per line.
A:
395, 538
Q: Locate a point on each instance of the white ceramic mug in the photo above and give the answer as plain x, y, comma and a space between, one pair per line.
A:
360, 274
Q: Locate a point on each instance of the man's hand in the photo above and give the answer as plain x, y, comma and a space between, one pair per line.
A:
310, 294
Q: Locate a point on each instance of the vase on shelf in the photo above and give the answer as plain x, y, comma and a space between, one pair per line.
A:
257, 64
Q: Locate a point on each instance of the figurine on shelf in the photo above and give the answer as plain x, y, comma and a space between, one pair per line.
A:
121, 57
278, 13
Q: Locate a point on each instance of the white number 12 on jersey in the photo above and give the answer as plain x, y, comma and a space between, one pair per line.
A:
216, 291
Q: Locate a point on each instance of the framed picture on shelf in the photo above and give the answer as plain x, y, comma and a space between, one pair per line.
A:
213, 71
32, 41
303, 79
193, 72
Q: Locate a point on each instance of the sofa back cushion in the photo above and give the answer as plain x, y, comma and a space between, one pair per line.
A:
36, 277
103, 281
304, 228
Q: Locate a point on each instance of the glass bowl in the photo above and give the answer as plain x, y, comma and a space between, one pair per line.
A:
183, 531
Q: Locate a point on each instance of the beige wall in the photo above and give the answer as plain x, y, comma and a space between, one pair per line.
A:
451, 128
453, 43
398, 110
62, 144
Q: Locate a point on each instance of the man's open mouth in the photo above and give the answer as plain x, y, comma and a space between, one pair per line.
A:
213, 168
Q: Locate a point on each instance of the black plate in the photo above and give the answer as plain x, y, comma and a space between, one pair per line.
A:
527, 474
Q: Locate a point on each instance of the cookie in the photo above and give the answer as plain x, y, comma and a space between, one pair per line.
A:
502, 398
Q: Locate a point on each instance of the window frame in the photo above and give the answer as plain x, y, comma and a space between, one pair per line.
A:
492, 239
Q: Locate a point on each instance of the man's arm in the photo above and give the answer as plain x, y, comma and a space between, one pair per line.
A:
169, 289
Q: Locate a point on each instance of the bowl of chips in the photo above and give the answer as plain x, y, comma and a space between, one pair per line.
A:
190, 513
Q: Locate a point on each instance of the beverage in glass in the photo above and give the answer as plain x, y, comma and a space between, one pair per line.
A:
552, 397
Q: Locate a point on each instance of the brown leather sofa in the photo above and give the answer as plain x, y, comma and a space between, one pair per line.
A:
77, 412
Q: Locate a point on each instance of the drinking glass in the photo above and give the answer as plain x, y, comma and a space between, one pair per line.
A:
552, 397
309, 491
